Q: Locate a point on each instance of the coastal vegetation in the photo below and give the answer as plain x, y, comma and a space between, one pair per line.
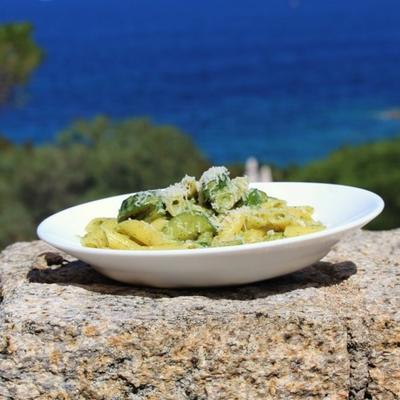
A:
90, 159
373, 166
101, 157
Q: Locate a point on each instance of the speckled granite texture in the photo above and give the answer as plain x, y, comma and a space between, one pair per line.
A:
330, 331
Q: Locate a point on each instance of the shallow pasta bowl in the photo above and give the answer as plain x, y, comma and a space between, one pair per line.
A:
342, 209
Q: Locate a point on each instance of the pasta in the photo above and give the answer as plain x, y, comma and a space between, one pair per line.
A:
214, 211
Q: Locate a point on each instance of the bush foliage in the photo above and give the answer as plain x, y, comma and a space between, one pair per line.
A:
374, 166
91, 159
101, 157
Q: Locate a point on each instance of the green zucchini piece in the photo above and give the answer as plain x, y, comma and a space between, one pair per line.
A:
188, 226
255, 197
142, 205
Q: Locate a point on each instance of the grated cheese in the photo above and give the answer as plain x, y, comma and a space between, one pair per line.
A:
212, 174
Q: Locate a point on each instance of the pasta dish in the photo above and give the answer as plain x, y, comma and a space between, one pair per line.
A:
213, 211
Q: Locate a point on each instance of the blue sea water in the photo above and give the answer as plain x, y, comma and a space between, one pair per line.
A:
285, 81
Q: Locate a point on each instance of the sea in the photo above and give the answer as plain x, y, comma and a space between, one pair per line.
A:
286, 81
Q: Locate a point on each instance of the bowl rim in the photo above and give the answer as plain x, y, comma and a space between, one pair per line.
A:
64, 244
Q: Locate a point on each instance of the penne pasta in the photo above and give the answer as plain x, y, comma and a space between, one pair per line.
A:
214, 211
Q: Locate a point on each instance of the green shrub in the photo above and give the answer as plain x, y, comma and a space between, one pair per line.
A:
374, 166
91, 159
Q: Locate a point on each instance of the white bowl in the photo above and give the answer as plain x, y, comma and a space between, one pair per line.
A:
341, 208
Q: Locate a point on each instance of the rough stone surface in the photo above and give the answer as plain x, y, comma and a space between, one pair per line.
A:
330, 331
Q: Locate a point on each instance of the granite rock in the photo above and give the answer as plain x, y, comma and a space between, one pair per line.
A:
330, 331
